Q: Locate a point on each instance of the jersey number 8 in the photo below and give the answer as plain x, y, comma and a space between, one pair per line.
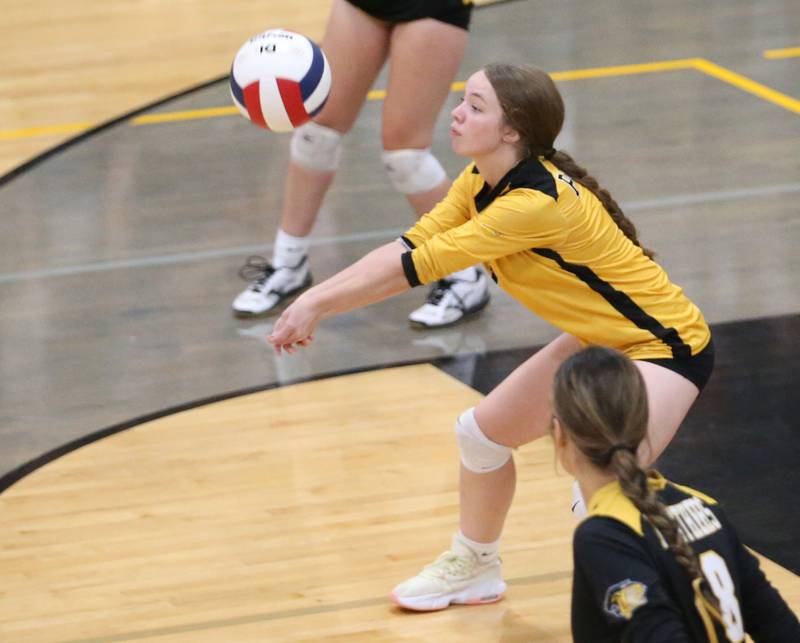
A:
719, 578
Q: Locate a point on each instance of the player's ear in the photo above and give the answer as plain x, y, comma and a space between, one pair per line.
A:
510, 135
559, 436
561, 444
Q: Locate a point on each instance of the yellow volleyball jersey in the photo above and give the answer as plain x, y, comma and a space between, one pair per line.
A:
549, 243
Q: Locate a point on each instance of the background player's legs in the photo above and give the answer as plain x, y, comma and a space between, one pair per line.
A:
356, 46
424, 59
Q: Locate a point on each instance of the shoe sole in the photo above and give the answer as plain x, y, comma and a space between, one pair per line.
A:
279, 306
434, 603
470, 312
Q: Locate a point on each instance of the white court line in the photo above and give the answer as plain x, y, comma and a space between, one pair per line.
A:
189, 257
389, 233
708, 197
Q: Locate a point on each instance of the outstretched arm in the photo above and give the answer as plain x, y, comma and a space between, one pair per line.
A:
375, 277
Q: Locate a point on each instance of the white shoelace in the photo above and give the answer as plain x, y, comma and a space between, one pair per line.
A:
448, 564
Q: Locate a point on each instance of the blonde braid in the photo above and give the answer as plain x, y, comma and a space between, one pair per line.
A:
634, 482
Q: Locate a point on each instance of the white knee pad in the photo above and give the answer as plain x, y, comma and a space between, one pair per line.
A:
478, 453
413, 171
316, 147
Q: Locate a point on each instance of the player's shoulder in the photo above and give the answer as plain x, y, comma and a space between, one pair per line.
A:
529, 177
677, 490
610, 503
535, 177
599, 532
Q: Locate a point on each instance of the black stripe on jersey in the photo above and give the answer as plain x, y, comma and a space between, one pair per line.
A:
408, 242
528, 173
409, 269
622, 303
484, 197
533, 175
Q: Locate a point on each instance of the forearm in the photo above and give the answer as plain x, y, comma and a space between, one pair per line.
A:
375, 277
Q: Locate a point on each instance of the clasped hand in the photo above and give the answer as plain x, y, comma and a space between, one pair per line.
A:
294, 327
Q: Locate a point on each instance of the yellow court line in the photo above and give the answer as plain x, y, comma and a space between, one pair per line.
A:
188, 115
380, 94
750, 86
624, 70
699, 64
789, 52
592, 72
45, 130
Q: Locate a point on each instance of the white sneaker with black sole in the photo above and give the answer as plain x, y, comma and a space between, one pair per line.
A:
451, 299
457, 576
271, 285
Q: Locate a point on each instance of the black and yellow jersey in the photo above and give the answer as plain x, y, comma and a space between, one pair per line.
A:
551, 245
628, 587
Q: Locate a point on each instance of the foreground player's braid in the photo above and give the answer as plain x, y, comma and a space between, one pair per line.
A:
600, 400
533, 107
633, 481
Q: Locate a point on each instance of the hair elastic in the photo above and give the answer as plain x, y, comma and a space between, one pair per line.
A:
618, 447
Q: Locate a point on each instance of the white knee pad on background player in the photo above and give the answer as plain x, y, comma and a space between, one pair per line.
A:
413, 171
478, 453
316, 147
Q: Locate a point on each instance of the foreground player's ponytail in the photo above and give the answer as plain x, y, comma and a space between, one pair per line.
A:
600, 401
533, 107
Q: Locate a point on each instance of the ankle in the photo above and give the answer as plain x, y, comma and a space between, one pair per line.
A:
486, 552
289, 251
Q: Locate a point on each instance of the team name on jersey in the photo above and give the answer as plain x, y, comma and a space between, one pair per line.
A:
695, 520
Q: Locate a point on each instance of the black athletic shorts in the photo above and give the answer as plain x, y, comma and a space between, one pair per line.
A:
697, 369
453, 12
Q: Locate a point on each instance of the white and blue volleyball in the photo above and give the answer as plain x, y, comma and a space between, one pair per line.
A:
280, 80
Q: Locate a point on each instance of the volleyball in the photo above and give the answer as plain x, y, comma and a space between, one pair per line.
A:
280, 79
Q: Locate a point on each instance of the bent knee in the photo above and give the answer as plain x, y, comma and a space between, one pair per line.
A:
479, 454
316, 147
413, 171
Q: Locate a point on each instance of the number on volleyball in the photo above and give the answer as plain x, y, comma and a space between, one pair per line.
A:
280, 79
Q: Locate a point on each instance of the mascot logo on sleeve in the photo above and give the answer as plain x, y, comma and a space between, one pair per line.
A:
623, 598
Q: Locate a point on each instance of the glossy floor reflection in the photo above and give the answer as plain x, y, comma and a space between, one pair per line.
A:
120, 253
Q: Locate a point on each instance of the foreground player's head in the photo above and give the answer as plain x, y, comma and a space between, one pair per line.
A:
600, 417
600, 406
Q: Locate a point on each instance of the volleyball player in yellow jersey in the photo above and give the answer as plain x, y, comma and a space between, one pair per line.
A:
559, 244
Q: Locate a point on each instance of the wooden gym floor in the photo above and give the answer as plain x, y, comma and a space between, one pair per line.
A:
163, 477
